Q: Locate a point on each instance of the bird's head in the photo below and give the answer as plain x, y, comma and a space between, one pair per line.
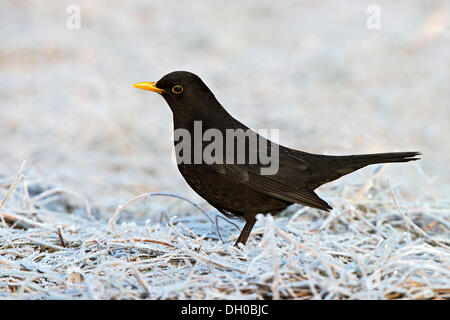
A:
181, 90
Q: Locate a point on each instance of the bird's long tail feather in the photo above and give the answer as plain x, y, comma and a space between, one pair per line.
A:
366, 159
343, 165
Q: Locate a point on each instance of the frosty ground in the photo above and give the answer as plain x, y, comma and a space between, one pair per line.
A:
365, 249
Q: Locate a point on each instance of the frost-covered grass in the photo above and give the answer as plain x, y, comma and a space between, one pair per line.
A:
369, 247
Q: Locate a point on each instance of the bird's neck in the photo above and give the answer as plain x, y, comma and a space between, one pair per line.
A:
217, 118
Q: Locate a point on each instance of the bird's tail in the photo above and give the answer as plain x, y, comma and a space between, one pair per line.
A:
343, 165
366, 159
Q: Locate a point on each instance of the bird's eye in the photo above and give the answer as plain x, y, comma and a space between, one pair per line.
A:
177, 89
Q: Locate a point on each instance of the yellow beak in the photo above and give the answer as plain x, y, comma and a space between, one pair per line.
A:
150, 86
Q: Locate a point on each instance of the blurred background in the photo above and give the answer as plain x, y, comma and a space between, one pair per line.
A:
313, 69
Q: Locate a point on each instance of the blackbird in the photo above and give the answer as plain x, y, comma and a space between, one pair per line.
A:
242, 189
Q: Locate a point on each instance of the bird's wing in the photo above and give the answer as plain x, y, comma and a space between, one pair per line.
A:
291, 183
287, 185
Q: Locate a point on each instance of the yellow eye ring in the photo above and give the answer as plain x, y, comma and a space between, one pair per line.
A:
177, 89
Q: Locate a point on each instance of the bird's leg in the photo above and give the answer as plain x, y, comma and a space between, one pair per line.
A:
245, 232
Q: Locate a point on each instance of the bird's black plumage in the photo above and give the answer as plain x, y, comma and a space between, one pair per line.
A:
239, 189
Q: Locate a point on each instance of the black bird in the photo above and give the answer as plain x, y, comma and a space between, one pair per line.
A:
240, 189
